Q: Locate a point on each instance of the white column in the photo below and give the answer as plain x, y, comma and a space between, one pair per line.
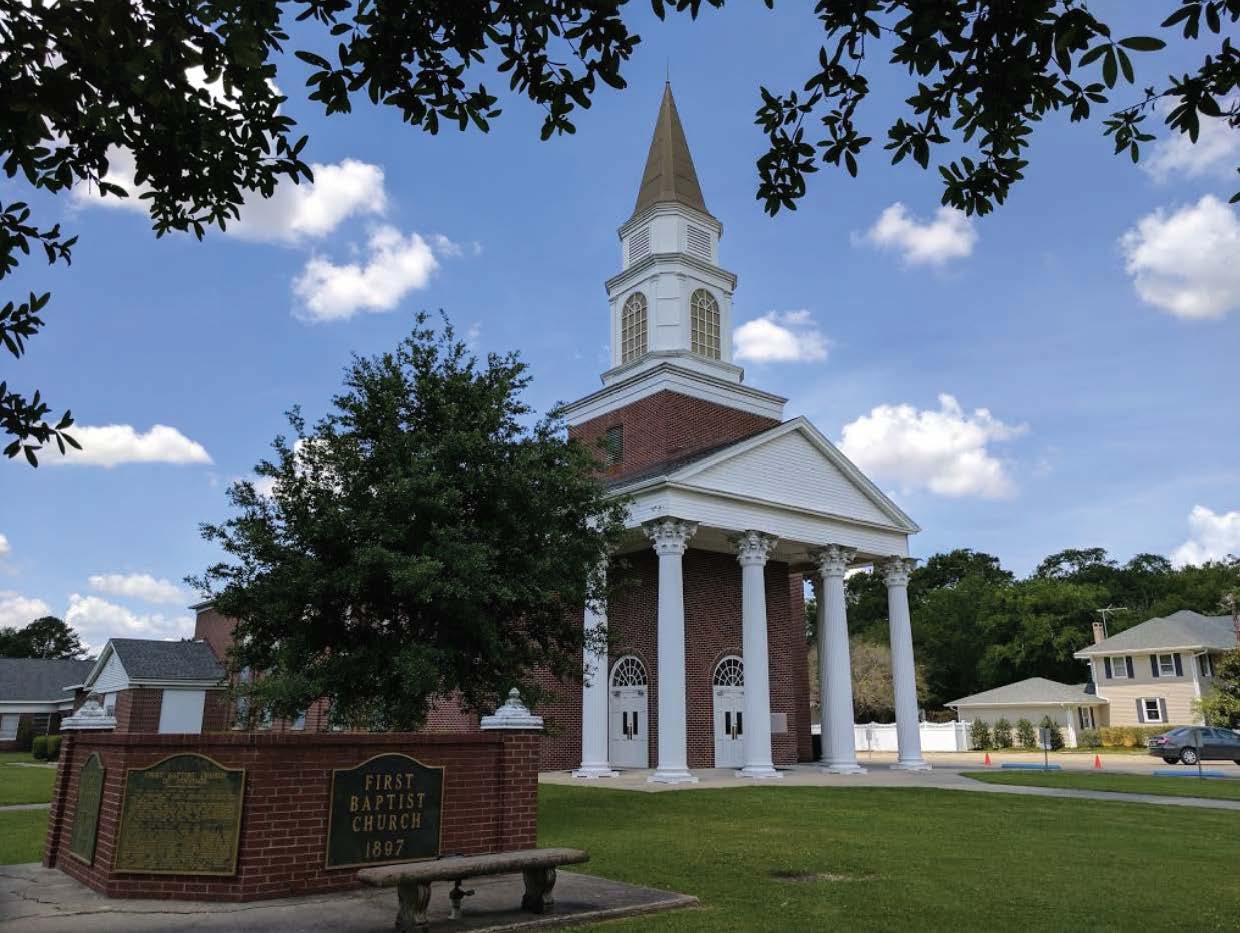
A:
752, 549
594, 763
839, 745
671, 538
903, 670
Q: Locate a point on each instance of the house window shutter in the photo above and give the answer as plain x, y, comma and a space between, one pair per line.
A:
1140, 711
1153, 665
1179, 665
1162, 708
1106, 663
1128, 664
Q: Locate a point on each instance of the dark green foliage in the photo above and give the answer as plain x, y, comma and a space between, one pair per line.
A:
1056, 734
25, 734
53, 747
1001, 734
424, 539
1026, 735
38, 748
979, 735
1221, 706
1089, 738
188, 92
46, 637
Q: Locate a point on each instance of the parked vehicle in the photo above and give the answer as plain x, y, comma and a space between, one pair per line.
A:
1191, 744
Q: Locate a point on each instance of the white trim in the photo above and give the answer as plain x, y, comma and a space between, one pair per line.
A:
1054, 703
1145, 711
1121, 667
101, 662
1086, 653
1168, 671
35, 706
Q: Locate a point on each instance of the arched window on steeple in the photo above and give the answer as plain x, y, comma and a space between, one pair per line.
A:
633, 330
704, 324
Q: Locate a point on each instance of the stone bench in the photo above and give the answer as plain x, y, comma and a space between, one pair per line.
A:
412, 880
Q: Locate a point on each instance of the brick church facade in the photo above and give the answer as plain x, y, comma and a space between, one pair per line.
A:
733, 509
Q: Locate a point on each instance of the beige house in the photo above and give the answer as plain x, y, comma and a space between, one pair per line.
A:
1153, 673
1072, 706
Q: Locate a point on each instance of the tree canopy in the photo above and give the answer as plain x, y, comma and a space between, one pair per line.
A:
421, 540
188, 93
978, 626
45, 637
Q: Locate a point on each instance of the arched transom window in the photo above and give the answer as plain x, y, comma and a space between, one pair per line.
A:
628, 672
633, 328
730, 672
704, 324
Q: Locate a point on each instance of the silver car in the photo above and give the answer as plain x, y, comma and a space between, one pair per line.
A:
1191, 744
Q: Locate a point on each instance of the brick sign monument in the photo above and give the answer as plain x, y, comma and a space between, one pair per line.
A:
242, 816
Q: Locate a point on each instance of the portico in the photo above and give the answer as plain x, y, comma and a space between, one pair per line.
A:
731, 509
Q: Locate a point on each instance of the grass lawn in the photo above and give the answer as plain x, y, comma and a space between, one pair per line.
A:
1224, 789
806, 858
21, 836
25, 785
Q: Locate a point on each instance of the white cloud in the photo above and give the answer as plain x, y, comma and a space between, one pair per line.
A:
96, 620
4, 545
17, 611
1216, 151
1187, 262
1210, 537
138, 586
943, 451
781, 337
950, 235
293, 213
112, 444
395, 265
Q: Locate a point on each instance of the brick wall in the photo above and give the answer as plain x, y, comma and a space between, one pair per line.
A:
668, 426
137, 709
712, 584
490, 804
216, 630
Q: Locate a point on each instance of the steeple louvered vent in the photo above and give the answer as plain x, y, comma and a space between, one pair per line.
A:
639, 245
697, 242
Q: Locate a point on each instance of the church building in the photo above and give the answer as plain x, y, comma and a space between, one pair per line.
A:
732, 509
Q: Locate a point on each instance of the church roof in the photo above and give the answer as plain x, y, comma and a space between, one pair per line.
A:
669, 175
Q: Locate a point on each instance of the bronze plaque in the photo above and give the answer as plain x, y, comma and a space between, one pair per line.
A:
86, 813
181, 816
386, 809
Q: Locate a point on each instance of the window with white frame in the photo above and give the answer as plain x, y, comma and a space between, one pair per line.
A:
633, 328
1152, 709
1166, 665
1086, 716
704, 324
8, 726
299, 721
1119, 668
1205, 666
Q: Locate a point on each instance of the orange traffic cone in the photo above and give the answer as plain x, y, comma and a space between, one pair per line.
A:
986, 760
1097, 763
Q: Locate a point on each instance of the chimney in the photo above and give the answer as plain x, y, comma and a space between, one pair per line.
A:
1100, 632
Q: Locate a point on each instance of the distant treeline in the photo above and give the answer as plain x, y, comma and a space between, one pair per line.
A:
976, 626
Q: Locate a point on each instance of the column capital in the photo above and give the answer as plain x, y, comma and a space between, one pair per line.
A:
896, 570
832, 560
670, 536
753, 547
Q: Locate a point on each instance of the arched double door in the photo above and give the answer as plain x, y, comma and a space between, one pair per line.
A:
628, 721
728, 693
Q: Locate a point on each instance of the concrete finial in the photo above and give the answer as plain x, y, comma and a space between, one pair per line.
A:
512, 715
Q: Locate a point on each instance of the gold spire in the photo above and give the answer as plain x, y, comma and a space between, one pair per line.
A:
669, 174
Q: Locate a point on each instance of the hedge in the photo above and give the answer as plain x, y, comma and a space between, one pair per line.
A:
53, 747
38, 747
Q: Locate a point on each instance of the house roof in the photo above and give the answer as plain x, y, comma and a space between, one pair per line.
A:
151, 660
669, 174
40, 679
1183, 629
1034, 691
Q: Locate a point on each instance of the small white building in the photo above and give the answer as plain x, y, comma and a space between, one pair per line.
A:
1071, 706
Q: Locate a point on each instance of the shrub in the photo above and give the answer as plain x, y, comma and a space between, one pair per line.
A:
1089, 738
38, 747
1056, 732
979, 734
53, 747
1025, 734
25, 734
1002, 733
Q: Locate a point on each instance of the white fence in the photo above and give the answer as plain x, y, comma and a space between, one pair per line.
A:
935, 737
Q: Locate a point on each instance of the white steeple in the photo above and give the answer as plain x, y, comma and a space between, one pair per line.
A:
672, 301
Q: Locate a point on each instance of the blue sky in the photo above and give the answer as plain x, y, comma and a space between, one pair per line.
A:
1061, 373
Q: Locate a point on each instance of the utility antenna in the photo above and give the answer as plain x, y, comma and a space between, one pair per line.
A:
1109, 611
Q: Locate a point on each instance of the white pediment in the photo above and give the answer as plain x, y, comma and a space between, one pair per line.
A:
795, 467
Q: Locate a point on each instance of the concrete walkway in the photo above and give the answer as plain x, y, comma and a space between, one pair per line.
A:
24, 806
942, 777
